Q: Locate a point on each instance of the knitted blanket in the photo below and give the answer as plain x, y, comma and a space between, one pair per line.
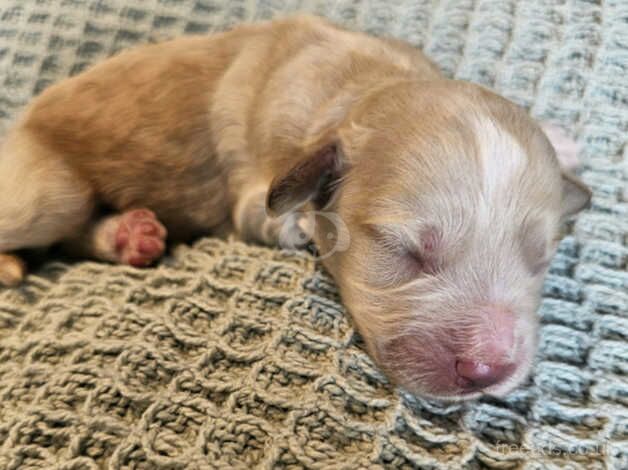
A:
233, 356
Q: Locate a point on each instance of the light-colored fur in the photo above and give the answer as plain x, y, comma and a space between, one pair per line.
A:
450, 196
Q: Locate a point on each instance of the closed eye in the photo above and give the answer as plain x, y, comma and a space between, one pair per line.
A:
424, 263
402, 261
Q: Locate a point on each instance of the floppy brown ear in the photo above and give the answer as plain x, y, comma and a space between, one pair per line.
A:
313, 179
576, 194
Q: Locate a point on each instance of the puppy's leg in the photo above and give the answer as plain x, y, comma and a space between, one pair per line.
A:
253, 224
134, 237
42, 201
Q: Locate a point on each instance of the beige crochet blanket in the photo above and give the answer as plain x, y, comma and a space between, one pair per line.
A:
231, 356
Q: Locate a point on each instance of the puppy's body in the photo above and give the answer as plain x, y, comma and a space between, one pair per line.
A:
301, 115
163, 126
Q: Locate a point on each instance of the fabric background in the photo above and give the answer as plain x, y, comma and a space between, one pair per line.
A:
230, 356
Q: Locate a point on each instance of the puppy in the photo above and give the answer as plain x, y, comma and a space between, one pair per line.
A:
435, 204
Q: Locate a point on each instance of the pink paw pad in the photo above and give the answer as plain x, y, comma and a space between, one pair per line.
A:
140, 238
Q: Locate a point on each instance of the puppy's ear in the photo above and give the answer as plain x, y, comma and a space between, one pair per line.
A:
576, 194
313, 179
566, 148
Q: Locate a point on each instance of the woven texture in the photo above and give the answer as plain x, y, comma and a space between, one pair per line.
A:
232, 356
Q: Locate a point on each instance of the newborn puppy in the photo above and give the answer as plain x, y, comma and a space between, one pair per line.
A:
435, 204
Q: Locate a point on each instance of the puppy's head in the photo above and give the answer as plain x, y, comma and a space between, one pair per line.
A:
451, 200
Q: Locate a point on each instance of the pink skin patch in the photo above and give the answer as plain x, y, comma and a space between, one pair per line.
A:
140, 238
428, 256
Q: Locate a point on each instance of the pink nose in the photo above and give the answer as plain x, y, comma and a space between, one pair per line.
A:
477, 375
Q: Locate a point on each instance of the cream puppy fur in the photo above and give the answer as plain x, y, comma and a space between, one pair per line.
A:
446, 200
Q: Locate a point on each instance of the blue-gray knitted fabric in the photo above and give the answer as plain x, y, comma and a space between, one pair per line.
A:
234, 356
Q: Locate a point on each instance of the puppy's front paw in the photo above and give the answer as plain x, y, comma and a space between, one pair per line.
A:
291, 230
140, 238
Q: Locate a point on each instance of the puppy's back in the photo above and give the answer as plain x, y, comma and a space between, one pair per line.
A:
160, 125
